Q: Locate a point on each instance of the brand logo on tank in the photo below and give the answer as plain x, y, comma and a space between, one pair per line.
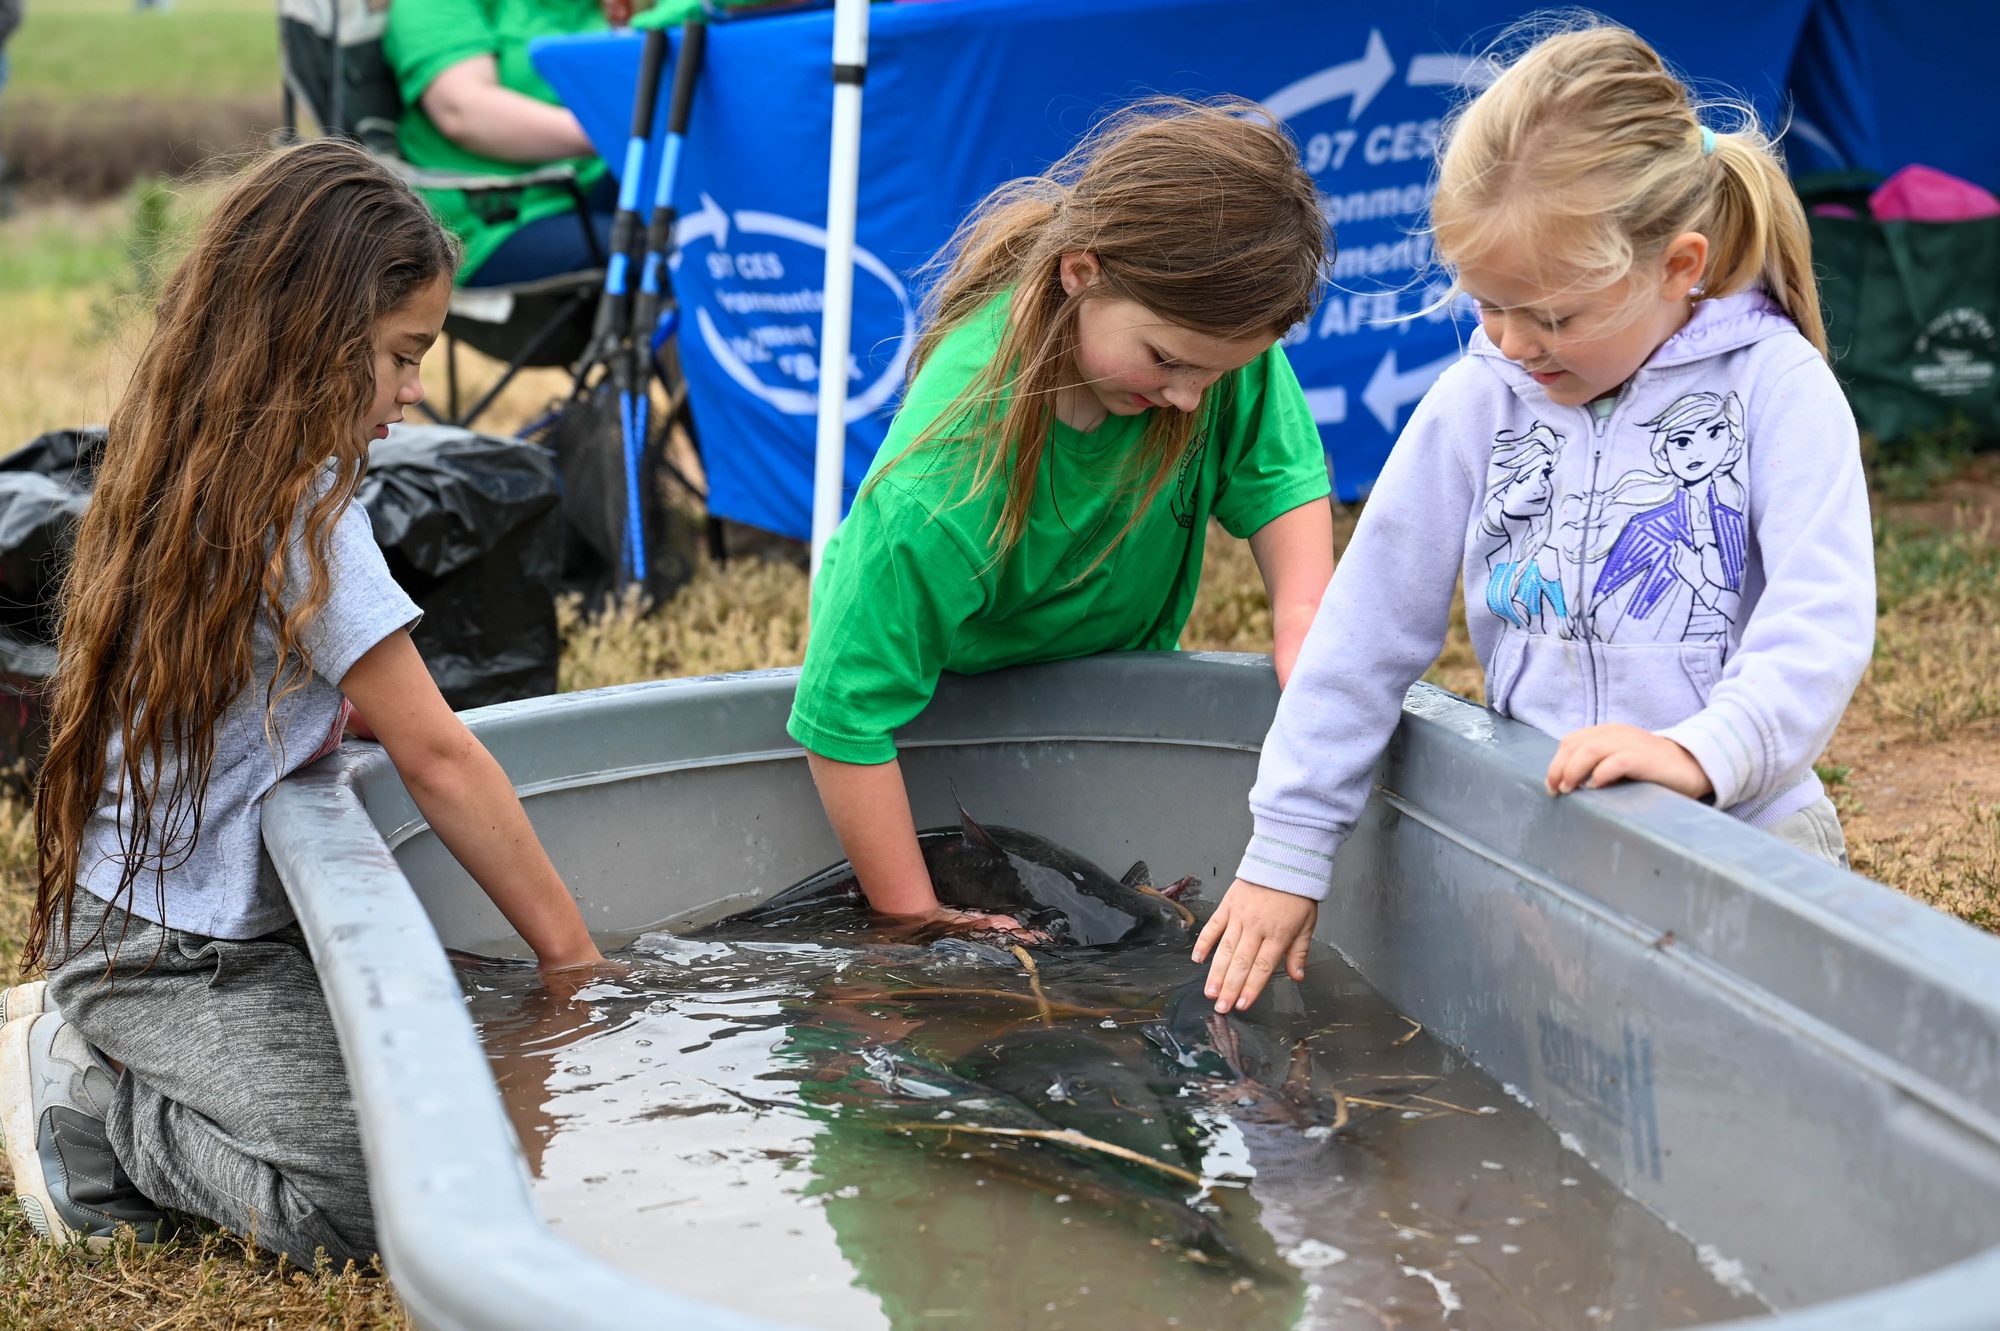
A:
759, 311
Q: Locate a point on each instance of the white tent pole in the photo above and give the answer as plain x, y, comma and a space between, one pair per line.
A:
850, 67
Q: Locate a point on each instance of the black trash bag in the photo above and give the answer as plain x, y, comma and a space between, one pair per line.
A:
471, 526
44, 489
70, 456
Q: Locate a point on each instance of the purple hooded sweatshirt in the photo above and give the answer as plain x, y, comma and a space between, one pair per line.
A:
1698, 561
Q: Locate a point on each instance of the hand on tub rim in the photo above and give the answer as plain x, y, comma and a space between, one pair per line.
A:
1598, 756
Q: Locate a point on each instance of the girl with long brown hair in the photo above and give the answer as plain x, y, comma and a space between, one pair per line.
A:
1643, 473
1098, 376
227, 616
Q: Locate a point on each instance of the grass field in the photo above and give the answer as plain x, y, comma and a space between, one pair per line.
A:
101, 94
1915, 765
80, 52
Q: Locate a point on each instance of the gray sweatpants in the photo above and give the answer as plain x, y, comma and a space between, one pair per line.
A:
233, 1104
1815, 830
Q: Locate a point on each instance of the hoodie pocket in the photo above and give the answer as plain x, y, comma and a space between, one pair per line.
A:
1504, 671
1540, 679
1656, 685
1557, 685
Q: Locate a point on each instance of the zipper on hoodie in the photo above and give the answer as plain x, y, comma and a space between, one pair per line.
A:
1592, 517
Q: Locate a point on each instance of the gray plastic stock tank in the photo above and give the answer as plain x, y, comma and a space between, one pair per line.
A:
1811, 1062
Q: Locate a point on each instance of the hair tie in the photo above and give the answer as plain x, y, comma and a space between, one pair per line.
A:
1707, 141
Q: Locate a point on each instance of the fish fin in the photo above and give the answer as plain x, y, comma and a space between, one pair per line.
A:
975, 834
1147, 889
1137, 876
1175, 891
1298, 1078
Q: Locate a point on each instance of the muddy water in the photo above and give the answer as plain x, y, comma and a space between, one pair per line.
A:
679, 1122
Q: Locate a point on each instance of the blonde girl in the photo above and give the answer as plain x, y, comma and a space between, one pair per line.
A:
226, 613
1646, 303
1098, 376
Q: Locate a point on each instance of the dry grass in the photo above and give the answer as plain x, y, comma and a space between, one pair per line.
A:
207, 1282
748, 615
57, 373
1950, 860
1937, 655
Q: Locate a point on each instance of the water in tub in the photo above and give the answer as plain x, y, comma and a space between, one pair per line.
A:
846, 1132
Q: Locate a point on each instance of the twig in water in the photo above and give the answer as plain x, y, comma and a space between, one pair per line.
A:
1054, 1005
1416, 1029
1065, 1137
1374, 1104
1446, 1104
1035, 983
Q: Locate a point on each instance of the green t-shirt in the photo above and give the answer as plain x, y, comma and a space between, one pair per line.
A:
908, 587
427, 37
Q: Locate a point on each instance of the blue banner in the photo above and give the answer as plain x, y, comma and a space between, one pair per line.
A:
964, 95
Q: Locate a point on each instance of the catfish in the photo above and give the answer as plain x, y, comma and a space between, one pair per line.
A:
1076, 1080
893, 1087
1062, 897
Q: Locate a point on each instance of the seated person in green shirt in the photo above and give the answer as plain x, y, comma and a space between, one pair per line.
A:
473, 103
1098, 376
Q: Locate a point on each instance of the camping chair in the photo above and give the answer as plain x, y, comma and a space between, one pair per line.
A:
333, 64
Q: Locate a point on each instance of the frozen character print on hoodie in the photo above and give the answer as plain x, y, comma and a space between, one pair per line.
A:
1674, 572
1692, 556
1523, 579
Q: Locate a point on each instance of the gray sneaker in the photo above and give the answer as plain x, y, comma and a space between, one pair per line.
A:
54, 1093
24, 1000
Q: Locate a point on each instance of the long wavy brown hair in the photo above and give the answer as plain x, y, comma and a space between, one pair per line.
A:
250, 390
1199, 211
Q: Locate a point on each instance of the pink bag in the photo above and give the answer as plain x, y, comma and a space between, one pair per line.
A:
1926, 194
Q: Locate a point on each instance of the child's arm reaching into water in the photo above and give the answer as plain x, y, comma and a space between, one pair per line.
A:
467, 799
869, 808
1381, 622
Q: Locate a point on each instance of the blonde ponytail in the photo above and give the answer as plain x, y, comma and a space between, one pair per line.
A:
1757, 229
1589, 149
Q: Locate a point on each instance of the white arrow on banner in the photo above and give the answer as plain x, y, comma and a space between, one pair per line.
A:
1360, 79
708, 220
1389, 392
1452, 71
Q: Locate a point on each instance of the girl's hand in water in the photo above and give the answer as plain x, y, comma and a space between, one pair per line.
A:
1251, 932
951, 920
1604, 755
567, 982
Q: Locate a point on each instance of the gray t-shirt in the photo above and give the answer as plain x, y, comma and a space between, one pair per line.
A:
224, 886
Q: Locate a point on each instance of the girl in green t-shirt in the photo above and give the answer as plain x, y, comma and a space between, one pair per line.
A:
1097, 377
